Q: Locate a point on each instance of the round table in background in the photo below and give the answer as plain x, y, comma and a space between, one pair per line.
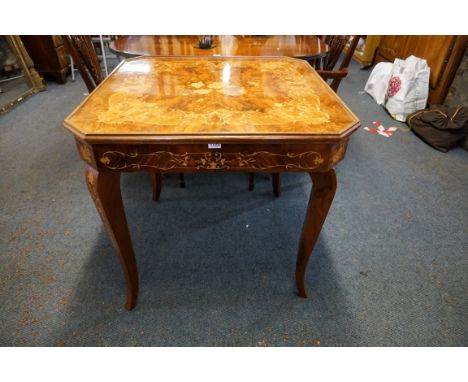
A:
304, 46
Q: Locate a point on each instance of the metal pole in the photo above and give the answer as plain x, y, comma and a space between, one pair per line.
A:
72, 68
103, 55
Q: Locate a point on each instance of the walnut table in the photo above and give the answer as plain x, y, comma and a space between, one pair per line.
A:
297, 46
251, 114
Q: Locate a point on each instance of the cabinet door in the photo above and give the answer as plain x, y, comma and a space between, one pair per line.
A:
392, 47
435, 49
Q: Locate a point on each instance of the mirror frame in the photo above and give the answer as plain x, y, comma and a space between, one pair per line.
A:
32, 77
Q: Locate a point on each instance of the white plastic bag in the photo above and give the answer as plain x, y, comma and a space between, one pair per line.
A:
408, 87
377, 83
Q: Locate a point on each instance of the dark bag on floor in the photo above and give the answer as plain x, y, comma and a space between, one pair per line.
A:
440, 126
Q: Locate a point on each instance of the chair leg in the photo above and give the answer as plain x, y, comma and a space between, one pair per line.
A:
251, 181
103, 53
72, 68
157, 181
182, 180
276, 182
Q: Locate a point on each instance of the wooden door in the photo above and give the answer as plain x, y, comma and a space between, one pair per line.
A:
392, 47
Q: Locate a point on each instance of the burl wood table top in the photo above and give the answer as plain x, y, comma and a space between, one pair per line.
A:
299, 46
150, 98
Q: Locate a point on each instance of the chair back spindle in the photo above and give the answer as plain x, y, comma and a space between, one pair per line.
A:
81, 48
326, 67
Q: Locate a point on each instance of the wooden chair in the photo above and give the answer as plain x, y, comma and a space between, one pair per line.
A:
84, 56
325, 67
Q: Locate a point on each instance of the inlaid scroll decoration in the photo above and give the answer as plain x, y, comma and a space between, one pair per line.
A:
166, 160
90, 176
85, 152
92, 187
91, 182
212, 161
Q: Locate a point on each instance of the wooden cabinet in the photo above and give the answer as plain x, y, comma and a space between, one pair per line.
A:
442, 53
391, 47
365, 54
49, 55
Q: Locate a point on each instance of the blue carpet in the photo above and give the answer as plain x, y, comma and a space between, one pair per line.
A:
217, 262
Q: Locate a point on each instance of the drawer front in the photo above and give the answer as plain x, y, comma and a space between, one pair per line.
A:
214, 157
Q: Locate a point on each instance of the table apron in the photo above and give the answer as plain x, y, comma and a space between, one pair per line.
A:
201, 157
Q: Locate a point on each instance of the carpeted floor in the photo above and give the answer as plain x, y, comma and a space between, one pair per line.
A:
217, 262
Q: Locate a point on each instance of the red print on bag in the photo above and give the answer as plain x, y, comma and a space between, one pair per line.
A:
394, 85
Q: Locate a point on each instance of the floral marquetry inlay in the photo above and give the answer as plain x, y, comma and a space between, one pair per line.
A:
165, 160
85, 152
204, 96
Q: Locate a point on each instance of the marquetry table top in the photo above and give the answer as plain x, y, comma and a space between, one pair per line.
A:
298, 46
158, 98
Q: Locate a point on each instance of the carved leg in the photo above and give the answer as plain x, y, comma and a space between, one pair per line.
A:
251, 181
276, 181
157, 181
104, 187
321, 197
